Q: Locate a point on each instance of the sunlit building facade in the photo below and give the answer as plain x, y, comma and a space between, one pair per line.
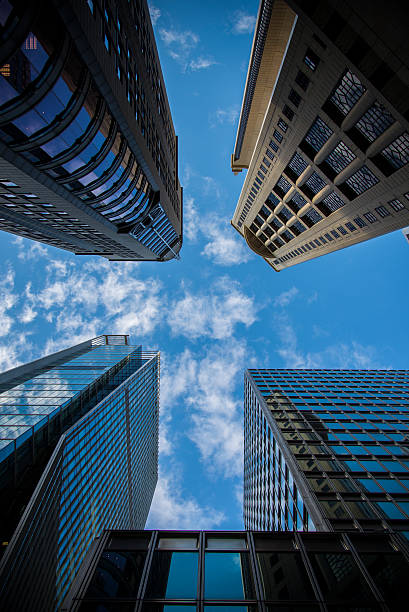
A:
88, 151
324, 129
79, 454
327, 450
242, 571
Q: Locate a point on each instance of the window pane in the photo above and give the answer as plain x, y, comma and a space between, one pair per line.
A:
339, 577
390, 572
228, 543
173, 575
284, 576
228, 576
118, 574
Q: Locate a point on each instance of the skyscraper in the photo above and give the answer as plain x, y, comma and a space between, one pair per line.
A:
236, 570
79, 452
323, 129
88, 152
327, 450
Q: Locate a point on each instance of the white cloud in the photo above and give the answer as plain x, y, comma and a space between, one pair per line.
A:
286, 297
27, 249
171, 510
343, 355
201, 62
217, 426
28, 314
8, 299
221, 116
155, 14
243, 23
212, 314
190, 219
223, 248
181, 45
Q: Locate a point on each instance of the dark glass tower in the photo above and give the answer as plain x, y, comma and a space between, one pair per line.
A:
327, 450
242, 571
88, 152
79, 453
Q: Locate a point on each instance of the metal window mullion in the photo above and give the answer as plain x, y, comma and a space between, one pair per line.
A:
108, 173
201, 572
146, 571
256, 573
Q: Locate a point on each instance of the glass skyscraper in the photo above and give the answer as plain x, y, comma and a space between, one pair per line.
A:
327, 450
79, 453
88, 151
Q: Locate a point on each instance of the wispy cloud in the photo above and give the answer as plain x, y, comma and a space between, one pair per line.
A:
222, 116
223, 247
171, 509
243, 23
201, 62
181, 45
155, 14
214, 313
190, 219
285, 297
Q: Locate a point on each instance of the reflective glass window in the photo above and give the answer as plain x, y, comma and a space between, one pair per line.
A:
284, 576
118, 574
390, 573
228, 576
173, 575
337, 573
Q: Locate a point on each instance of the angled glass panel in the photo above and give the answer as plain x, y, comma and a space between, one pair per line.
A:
173, 575
284, 576
118, 574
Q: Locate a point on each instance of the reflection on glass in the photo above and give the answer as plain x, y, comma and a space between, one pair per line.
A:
228, 576
339, 577
166, 608
180, 543
234, 608
390, 572
227, 543
284, 576
118, 574
173, 575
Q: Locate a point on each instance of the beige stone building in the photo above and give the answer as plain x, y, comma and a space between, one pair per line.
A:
324, 128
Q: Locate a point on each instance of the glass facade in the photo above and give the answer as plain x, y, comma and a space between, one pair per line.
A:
100, 473
59, 122
242, 571
327, 449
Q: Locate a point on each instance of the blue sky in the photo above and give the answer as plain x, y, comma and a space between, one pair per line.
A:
221, 309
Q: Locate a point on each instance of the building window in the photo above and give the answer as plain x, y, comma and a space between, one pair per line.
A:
277, 136
313, 185
270, 154
311, 60
374, 122
288, 112
316, 137
396, 205
302, 80
282, 125
342, 230
333, 201
335, 233
282, 186
394, 156
297, 228
359, 182
285, 215
266, 162
287, 236
344, 97
350, 226
337, 160
382, 211
311, 217
296, 166
369, 216
273, 144
360, 222
294, 97
296, 202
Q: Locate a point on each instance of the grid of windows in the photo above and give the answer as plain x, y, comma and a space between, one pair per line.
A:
296, 166
313, 185
333, 201
243, 571
282, 125
104, 466
348, 431
397, 153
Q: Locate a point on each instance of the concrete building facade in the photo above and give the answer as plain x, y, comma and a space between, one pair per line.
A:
323, 129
